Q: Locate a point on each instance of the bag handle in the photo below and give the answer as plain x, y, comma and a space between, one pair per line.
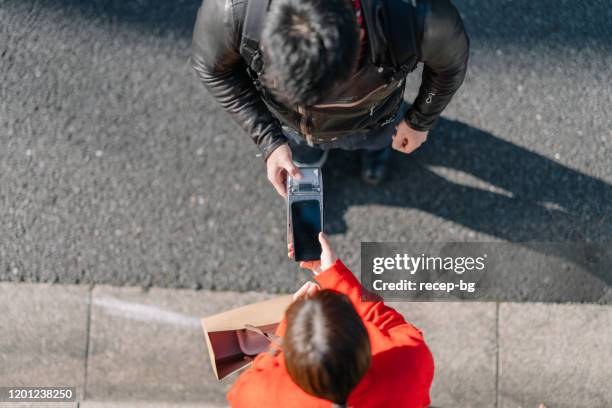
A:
256, 11
272, 338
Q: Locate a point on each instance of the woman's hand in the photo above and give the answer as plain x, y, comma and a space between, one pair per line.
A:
308, 290
328, 256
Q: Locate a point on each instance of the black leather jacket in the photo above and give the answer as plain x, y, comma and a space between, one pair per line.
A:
368, 100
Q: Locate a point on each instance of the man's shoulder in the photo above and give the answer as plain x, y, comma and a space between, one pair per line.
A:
238, 8
216, 27
440, 15
443, 30
224, 11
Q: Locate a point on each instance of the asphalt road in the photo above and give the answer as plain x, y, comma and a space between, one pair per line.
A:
117, 167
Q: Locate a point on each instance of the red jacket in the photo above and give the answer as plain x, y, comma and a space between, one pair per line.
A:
400, 375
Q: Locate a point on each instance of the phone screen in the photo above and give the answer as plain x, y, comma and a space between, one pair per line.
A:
306, 223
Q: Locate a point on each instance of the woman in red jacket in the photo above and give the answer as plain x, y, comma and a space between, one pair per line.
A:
338, 350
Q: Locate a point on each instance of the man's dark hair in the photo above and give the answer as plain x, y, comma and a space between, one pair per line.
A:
308, 46
326, 346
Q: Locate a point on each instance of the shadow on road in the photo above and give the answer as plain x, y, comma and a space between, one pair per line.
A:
502, 189
523, 23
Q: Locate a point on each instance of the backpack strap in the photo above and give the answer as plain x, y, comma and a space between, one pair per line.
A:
251, 34
403, 28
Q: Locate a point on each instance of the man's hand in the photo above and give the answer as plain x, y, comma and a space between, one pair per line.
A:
328, 256
278, 165
406, 139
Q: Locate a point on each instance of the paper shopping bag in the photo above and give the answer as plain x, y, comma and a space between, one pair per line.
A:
234, 337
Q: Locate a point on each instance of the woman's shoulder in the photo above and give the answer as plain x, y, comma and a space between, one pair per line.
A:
267, 384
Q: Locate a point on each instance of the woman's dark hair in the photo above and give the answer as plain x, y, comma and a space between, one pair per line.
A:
308, 46
326, 346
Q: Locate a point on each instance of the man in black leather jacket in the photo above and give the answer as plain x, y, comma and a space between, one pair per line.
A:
348, 99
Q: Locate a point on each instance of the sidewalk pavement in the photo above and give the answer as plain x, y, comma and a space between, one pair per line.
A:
126, 347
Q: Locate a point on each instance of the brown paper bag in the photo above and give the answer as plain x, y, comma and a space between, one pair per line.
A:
230, 340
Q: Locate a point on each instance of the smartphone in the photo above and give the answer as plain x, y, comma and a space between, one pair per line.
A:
305, 214
306, 217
